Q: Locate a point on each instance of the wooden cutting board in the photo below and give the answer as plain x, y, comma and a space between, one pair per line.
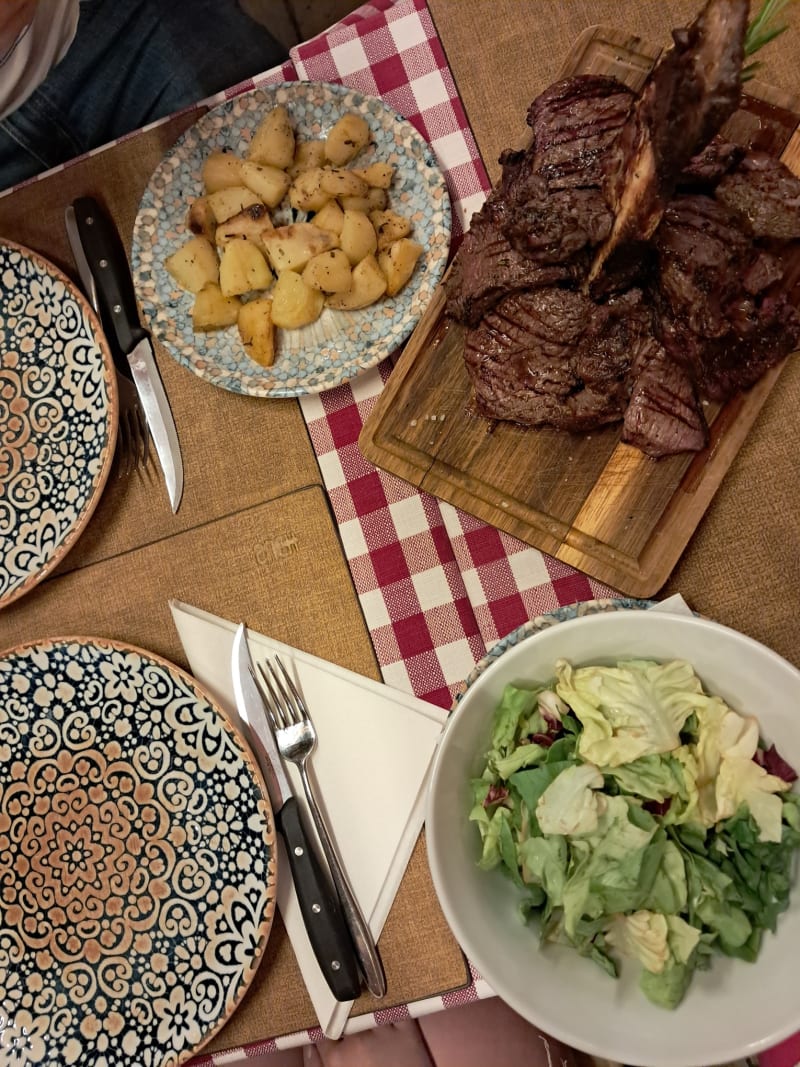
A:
587, 499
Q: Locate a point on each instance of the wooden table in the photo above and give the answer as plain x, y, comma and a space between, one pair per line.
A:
253, 484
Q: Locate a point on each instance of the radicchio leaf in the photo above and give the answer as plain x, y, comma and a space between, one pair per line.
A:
773, 763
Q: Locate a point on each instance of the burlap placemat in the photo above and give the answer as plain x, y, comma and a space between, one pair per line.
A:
743, 565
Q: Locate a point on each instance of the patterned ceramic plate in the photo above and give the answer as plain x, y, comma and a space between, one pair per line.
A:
545, 622
137, 859
339, 344
58, 417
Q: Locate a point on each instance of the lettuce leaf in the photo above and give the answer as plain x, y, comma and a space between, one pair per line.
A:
571, 804
635, 709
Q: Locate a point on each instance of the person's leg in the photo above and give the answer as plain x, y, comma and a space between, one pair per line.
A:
131, 63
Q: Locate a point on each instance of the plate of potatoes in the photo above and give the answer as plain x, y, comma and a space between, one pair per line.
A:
291, 239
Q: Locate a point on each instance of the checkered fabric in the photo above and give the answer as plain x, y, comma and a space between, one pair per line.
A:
437, 586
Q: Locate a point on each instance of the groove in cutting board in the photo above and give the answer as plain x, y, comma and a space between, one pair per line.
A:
587, 499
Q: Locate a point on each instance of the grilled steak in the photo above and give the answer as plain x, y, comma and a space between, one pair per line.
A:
553, 357
631, 260
663, 416
701, 252
693, 88
704, 171
555, 205
765, 195
487, 268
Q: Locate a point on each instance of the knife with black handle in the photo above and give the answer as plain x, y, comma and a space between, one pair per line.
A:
116, 299
319, 903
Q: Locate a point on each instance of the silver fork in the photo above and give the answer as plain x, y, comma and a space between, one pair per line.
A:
296, 738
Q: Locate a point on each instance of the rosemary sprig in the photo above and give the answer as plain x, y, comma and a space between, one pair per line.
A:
761, 30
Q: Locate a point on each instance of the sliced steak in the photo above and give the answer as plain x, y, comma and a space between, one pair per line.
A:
693, 88
707, 169
735, 363
487, 269
664, 416
701, 252
765, 195
553, 357
554, 202
575, 122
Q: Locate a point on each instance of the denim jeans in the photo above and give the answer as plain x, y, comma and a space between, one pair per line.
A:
132, 61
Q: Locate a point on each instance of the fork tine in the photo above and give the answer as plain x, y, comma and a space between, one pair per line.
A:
291, 699
298, 700
269, 703
123, 444
138, 440
278, 706
145, 435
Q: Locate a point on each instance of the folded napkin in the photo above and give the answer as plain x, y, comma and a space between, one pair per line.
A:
375, 747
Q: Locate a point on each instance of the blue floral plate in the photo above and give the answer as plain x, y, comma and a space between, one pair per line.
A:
137, 859
340, 344
58, 417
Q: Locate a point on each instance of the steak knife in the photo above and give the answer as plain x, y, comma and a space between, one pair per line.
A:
108, 266
319, 904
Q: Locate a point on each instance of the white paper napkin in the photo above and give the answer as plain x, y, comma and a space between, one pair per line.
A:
374, 752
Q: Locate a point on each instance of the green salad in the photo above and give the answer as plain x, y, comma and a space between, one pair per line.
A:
640, 818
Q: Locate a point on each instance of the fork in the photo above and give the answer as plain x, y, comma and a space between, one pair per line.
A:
134, 436
296, 738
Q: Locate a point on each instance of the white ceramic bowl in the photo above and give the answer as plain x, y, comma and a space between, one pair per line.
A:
732, 1010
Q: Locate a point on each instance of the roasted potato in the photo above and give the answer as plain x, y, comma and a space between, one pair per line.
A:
214, 311
358, 238
229, 202
221, 170
375, 200
243, 269
274, 141
252, 224
194, 265
267, 182
398, 262
307, 154
355, 250
379, 175
201, 219
329, 272
294, 303
257, 331
369, 285
338, 181
306, 192
330, 217
389, 227
291, 247
346, 139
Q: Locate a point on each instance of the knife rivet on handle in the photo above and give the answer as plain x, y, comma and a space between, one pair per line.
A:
298, 851
117, 309
335, 965
103, 262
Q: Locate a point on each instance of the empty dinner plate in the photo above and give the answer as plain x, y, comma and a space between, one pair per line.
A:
137, 858
58, 417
